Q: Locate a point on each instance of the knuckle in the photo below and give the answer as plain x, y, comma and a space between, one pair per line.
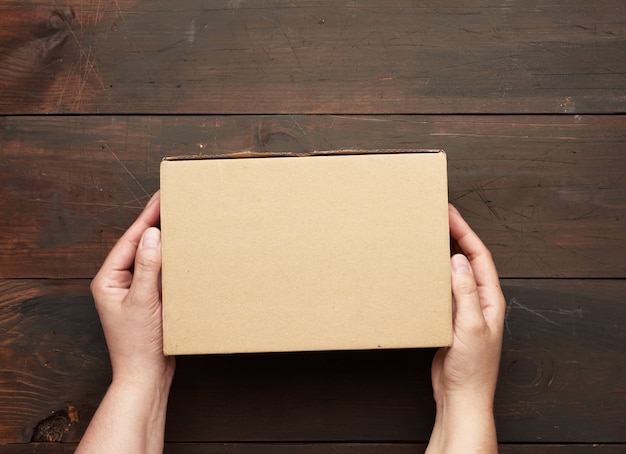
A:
94, 286
478, 328
466, 286
487, 254
147, 259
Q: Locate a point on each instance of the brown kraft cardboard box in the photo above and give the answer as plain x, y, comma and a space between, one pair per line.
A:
330, 251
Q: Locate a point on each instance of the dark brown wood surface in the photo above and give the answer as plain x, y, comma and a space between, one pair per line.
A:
528, 98
371, 56
562, 364
317, 448
547, 193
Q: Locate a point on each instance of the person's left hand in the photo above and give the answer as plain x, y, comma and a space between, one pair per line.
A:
127, 294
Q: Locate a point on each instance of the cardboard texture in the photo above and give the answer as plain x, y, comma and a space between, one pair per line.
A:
322, 252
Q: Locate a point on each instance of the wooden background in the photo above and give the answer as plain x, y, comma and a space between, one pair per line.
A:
528, 98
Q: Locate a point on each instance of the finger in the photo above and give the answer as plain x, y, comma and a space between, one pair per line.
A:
146, 276
475, 250
465, 293
122, 255
484, 269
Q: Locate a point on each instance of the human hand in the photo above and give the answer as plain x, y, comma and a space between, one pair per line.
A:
127, 294
464, 375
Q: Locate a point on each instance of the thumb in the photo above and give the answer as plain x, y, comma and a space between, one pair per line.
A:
465, 293
145, 284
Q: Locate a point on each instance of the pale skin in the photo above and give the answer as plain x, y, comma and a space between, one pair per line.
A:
464, 375
131, 417
126, 290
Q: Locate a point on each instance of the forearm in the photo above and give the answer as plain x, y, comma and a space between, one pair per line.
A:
466, 428
130, 418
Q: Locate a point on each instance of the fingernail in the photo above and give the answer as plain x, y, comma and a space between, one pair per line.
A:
151, 239
460, 264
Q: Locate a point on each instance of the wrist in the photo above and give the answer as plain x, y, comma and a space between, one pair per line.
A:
464, 402
152, 381
143, 373
134, 409
464, 425
141, 384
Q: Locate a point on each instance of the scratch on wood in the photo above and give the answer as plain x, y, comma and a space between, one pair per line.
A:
121, 13
298, 125
127, 170
514, 304
86, 66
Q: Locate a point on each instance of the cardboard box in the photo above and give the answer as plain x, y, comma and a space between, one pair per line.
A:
319, 252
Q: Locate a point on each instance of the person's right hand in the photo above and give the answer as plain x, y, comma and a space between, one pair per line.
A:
464, 375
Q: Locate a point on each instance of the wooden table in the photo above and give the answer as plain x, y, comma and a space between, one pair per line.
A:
527, 97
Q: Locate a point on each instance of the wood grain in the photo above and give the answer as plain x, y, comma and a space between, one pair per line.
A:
53, 354
527, 98
546, 193
321, 448
561, 377
236, 57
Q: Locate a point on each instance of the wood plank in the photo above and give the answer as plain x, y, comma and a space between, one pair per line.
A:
561, 378
546, 193
53, 355
321, 448
233, 57
563, 348
376, 448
